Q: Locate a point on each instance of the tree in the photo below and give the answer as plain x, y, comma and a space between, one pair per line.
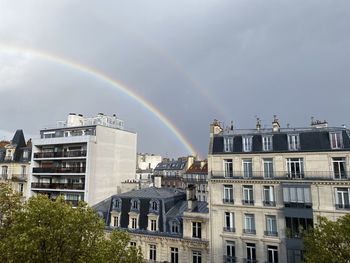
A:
52, 231
329, 241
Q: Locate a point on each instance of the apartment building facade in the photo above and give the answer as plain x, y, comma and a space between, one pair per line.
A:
267, 186
83, 159
15, 162
166, 223
197, 175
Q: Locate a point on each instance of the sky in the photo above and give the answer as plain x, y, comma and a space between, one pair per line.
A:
193, 60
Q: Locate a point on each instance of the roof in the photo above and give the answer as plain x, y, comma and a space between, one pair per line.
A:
197, 168
171, 165
153, 192
4, 143
18, 139
181, 207
311, 140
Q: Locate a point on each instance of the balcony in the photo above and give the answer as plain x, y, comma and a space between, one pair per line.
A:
271, 233
297, 205
62, 154
249, 231
269, 203
247, 202
58, 186
281, 175
229, 229
229, 259
342, 206
228, 201
59, 170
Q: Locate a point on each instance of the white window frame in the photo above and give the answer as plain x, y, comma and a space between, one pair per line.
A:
338, 174
174, 255
152, 252
268, 168
269, 194
247, 167
249, 223
228, 193
197, 230
247, 143
252, 251
290, 162
341, 203
248, 193
293, 142
230, 250
229, 219
196, 256
228, 168
267, 143
271, 223
336, 140
228, 144
274, 251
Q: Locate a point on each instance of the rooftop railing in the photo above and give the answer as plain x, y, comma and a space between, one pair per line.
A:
281, 175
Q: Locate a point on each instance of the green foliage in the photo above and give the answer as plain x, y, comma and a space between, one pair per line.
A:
329, 241
43, 230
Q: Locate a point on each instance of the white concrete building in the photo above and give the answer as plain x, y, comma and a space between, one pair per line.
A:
267, 186
83, 159
147, 161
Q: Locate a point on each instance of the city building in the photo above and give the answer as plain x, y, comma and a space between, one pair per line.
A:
267, 186
172, 171
146, 163
83, 159
166, 223
197, 175
15, 161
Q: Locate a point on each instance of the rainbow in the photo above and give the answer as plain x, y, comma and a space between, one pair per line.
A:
110, 81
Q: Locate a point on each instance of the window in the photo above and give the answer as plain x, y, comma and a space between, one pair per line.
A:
293, 142
154, 206
268, 168
295, 255
196, 257
20, 188
269, 196
134, 223
342, 198
299, 197
197, 229
272, 254
248, 195
247, 143
295, 168
153, 252
228, 144
229, 222
133, 244
267, 143
25, 154
271, 226
228, 194
251, 253
153, 225
247, 168
115, 221
4, 170
174, 255
230, 252
23, 170
339, 169
249, 224
336, 140
135, 205
295, 227
174, 227
117, 203
228, 168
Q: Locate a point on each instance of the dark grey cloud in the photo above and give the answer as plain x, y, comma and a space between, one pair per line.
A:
195, 60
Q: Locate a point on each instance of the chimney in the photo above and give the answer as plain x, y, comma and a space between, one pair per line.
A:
318, 124
191, 197
275, 124
215, 128
157, 181
258, 124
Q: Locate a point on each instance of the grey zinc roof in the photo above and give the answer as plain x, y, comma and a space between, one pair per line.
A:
153, 192
181, 207
172, 165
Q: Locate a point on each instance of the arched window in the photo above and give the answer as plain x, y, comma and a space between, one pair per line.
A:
135, 204
154, 206
174, 226
117, 203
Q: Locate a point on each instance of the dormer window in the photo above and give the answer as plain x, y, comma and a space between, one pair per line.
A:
228, 144
135, 205
336, 139
154, 206
267, 143
247, 143
25, 154
174, 227
293, 142
117, 203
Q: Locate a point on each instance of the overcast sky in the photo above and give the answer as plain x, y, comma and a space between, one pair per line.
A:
195, 60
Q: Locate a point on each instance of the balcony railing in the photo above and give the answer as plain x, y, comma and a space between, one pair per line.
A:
229, 229
249, 231
59, 170
269, 203
60, 154
247, 202
58, 186
271, 233
342, 206
228, 201
229, 259
297, 205
282, 175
